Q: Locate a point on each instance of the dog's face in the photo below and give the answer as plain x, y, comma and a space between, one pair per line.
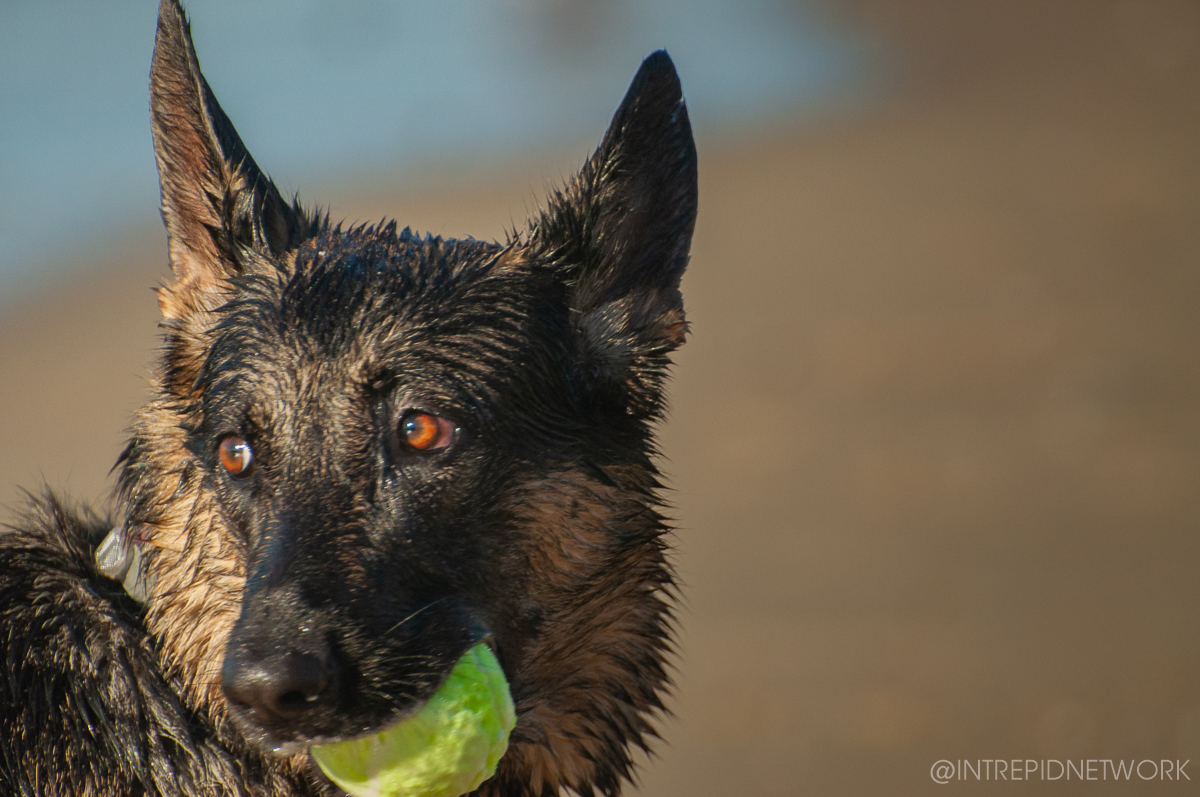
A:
370, 426
370, 451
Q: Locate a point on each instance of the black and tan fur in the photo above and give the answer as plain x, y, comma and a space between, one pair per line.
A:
538, 529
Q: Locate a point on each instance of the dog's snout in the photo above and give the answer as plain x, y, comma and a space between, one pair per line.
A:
282, 689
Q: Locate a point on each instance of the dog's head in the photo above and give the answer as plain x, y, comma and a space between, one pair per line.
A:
368, 451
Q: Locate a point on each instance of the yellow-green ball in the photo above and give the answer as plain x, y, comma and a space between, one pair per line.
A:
446, 749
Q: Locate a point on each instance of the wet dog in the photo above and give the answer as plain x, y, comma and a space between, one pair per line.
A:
366, 451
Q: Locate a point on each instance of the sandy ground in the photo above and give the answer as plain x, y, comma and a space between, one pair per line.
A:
935, 442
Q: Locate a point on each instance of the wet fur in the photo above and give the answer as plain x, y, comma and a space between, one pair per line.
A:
541, 529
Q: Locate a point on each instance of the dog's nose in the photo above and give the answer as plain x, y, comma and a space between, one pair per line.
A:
278, 689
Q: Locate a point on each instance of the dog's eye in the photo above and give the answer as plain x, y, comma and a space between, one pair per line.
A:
425, 432
236, 455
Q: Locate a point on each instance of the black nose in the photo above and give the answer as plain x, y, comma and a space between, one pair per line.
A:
278, 690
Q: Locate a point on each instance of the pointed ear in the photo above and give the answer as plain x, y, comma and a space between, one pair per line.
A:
216, 203
621, 231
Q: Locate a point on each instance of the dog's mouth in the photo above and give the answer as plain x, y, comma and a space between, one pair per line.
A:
286, 749
286, 702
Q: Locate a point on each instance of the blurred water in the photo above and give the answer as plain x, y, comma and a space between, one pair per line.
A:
322, 90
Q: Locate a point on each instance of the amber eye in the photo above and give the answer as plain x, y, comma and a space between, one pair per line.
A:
426, 432
236, 455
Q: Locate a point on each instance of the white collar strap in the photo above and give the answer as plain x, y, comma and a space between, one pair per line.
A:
120, 557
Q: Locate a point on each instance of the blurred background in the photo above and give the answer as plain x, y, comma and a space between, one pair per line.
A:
945, 280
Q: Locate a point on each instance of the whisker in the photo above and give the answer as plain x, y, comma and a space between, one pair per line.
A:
414, 614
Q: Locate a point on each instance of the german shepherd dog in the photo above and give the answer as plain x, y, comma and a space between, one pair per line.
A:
365, 452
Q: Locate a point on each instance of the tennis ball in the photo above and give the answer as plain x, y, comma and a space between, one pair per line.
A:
446, 749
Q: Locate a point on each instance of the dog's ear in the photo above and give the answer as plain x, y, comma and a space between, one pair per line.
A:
621, 230
216, 203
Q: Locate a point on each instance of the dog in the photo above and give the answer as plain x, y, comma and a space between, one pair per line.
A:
365, 452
